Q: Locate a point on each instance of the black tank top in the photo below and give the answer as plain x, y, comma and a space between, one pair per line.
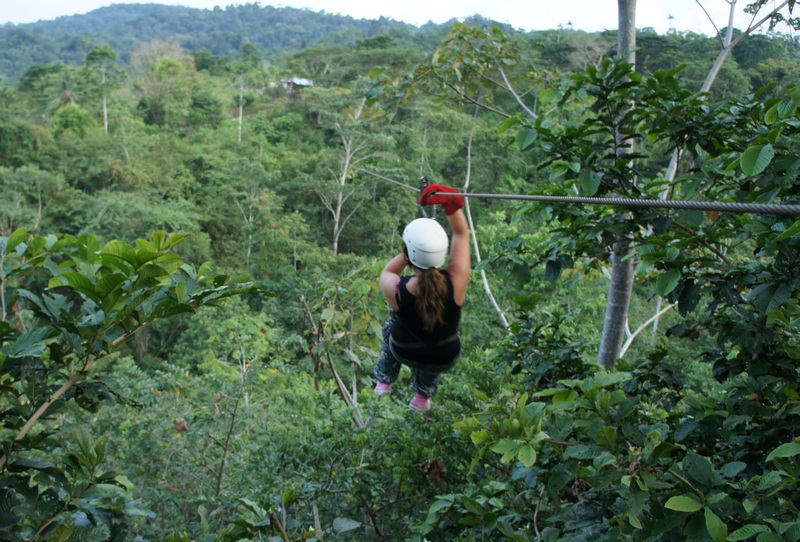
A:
437, 347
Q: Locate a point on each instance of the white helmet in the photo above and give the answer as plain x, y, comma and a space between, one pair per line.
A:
426, 243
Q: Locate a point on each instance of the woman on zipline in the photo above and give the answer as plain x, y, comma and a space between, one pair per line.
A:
422, 331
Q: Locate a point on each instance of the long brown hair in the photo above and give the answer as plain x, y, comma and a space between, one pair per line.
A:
431, 298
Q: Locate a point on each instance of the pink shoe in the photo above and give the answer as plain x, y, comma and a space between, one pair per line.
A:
382, 389
420, 403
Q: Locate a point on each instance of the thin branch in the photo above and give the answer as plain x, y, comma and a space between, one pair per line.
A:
730, 43
513, 92
753, 27
472, 100
704, 243
373, 517
325, 201
226, 446
486, 286
643, 327
348, 399
711, 20
687, 482
536, 514
274, 520
344, 221
308, 313
74, 379
347, 197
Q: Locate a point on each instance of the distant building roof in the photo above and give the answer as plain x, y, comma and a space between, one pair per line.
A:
298, 82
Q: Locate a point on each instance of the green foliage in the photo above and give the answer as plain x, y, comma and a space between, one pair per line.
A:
272, 30
238, 422
29, 194
623, 457
68, 304
17, 144
72, 118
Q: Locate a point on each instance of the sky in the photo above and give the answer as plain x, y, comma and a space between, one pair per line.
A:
587, 15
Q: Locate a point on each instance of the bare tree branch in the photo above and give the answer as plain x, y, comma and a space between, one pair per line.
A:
486, 286
641, 328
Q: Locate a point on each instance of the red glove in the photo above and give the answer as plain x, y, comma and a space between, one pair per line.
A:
450, 204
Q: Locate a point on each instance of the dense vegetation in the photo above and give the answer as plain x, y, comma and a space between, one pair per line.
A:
126, 27
190, 242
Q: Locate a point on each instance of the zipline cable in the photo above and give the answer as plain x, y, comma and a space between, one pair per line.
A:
755, 208
727, 207
388, 179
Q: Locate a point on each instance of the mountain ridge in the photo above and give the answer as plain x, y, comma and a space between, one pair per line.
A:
221, 31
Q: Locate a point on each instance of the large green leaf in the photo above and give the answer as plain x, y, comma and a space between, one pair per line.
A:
746, 532
120, 255
78, 281
771, 537
589, 181
472, 505
526, 137
504, 446
667, 281
606, 379
755, 159
108, 283
40, 464
791, 231
768, 297
151, 270
607, 437
716, 527
31, 342
479, 437
17, 236
161, 241
683, 503
88, 248
786, 108
699, 468
790, 449
343, 525
527, 455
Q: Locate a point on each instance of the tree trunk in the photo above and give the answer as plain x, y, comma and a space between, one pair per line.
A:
105, 114
617, 304
626, 34
622, 269
241, 112
105, 103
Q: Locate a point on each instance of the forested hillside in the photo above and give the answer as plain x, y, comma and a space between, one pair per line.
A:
196, 209
126, 27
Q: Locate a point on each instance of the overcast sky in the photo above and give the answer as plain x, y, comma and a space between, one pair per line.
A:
588, 15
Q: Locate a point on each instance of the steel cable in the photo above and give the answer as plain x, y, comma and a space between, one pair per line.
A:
778, 209
730, 207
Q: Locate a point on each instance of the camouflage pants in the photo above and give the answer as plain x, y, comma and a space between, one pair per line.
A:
389, 364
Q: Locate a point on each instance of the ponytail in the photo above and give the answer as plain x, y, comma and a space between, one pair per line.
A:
431, 298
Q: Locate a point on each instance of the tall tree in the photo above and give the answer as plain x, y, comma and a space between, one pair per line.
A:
163, 80
622, 268
350, 123
102, 75
622, 275
248, 71
728, 41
